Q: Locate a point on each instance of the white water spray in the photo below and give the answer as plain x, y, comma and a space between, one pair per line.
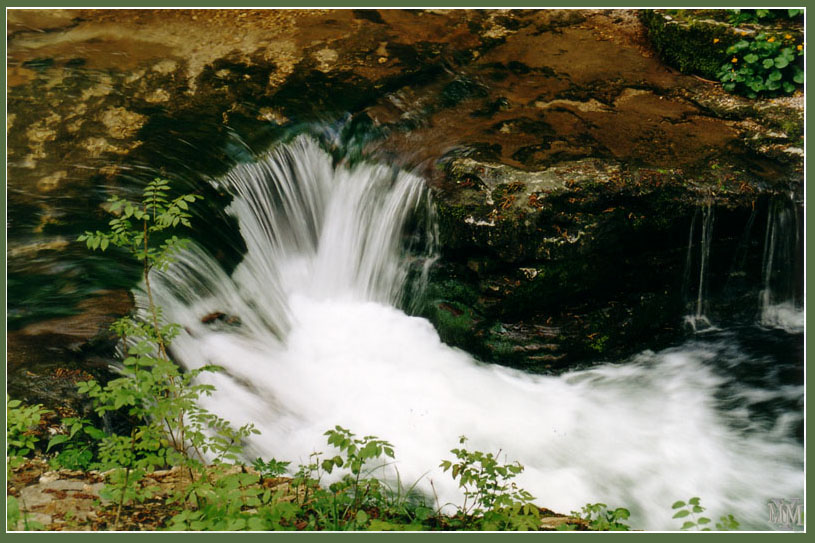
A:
322, 342
698, 320
778, 306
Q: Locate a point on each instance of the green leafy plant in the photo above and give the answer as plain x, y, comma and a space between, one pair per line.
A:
14, 515
77, 448
270, 468
492, 501
689, 511
769, 64
21, 421
232, 499
343, 505
171, 428
739, 16
599, 343
600, 518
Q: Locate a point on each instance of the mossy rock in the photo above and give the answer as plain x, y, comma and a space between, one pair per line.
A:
693, 45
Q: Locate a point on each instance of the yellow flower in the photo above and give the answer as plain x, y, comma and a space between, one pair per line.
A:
771, 39
715, 40
787, 36
734, 60
800, 47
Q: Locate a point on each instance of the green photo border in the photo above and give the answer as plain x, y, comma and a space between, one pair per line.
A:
810, 230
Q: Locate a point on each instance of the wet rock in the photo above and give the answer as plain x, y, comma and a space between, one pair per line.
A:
553, 169
217, 318
122, 123
46, 359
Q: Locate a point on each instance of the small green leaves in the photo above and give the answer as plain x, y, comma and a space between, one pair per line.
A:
361, 518
21, 421
56, 440
692, 508
490, 494
727, 523
799, 75
599, 518
764, 65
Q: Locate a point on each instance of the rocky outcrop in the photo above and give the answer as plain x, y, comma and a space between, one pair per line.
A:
566, 184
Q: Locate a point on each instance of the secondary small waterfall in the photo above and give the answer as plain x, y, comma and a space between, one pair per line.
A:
781, 300
317, 338
698, 319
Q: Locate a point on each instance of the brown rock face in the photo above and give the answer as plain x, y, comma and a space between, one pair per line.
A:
548, 135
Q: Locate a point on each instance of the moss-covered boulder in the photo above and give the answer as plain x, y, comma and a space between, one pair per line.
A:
694, 45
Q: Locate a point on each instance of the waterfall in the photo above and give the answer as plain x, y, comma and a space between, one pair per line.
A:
698, 320
317, 336
780, 300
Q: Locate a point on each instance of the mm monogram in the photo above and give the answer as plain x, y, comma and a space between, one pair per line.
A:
786, 514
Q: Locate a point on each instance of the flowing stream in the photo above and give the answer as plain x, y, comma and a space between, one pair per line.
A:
317, 332
780, 301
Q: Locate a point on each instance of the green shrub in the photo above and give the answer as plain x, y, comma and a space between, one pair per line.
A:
600, 518
79, 447
692, 508
767, 65
172, 428
491, 500
343, 505
21, 421
739, 16
14, 516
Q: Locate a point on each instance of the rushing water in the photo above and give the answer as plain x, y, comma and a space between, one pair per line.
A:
780, 301
324, 339
699, 320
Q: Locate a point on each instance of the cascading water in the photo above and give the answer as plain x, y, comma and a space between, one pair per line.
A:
698, 320
321, 341
781, 300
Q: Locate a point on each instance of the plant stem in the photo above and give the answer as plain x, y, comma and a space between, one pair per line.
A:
121, 500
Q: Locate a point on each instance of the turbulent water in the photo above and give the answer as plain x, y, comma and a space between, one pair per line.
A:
318, 337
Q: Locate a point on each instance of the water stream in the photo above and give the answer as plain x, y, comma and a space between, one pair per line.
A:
781, 300
319, 333
698, 319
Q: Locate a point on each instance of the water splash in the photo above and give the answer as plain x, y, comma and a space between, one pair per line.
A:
698, 320
321, 341
780, 300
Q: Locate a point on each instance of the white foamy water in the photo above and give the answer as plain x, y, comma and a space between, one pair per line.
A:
777, 300
322, 342
786, 316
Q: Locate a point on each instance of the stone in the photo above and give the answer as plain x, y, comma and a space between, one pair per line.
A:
122, 123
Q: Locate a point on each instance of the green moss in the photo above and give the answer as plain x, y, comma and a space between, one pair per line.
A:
501, 350
455, 323
452, 290
687, 43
